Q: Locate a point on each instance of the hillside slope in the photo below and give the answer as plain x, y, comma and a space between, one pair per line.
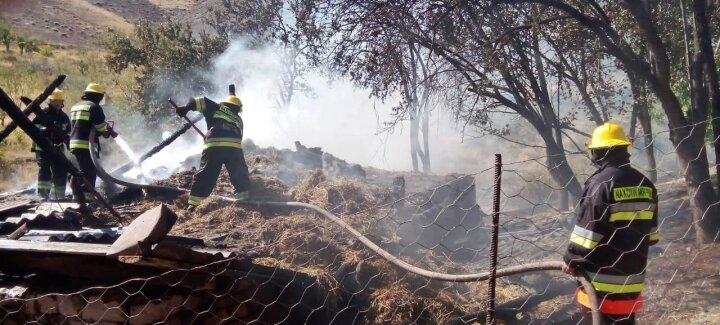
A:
81, 23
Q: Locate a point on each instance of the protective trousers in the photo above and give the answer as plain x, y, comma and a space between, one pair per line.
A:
80, 192
211, 163
607, 319
52, 177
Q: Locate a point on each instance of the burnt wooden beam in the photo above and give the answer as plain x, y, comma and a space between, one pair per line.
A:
44, 143
33, 106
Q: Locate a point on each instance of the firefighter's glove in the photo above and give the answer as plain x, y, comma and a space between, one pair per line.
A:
569, 269
109, 133
113, 133
182, 110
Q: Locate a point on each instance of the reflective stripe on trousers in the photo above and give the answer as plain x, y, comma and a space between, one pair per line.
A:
611, 306
195, 200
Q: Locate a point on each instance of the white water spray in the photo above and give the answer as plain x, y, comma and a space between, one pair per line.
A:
127, 150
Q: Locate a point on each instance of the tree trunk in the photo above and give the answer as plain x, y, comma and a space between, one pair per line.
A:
557, 164
633, 117
687, 138
425, 128
414, 142
564, 193
704, 47
641, 113
692, 158
646, 123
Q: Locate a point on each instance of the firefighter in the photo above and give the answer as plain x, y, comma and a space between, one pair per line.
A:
52, 175
85, 115
223, 146
616, 223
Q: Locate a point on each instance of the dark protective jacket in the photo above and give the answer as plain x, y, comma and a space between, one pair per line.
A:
225, 127
616, 223
84, 116
57, 118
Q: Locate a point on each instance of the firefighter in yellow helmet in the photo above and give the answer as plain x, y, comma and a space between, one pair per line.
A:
86, 115
223, 146
616, 223
52, 175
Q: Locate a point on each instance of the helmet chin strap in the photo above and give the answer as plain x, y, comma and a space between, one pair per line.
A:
599, 156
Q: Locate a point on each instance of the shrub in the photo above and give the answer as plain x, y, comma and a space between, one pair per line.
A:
46, 51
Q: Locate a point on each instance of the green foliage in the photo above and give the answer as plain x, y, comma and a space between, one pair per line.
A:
169, 60
6, 36
21, 42
83, 67
32, 46
46, 51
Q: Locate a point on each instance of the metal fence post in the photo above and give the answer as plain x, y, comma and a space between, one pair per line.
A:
490, 316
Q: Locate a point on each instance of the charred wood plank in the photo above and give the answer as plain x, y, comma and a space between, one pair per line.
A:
54, 247
33, 106
44, 143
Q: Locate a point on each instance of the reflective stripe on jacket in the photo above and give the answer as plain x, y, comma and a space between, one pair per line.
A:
84, 116
57, 118
616, 223
225, 126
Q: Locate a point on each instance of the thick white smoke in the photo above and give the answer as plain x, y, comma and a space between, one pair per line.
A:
338, 117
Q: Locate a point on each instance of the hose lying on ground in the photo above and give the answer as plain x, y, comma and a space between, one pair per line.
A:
105, 176
472, 277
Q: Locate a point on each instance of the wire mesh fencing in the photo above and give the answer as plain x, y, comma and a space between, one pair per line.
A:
294, 266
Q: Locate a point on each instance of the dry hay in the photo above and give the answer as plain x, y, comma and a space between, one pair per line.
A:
399, 305
264, 188
306, 242
212, 216
341, 197
181, 180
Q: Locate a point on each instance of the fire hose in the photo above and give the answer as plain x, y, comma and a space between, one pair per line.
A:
473, 277
106, 177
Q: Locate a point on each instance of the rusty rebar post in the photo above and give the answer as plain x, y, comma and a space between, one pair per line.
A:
490, 315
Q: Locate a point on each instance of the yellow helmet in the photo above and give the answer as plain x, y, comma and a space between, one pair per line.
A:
94, 88
232, 100
57, 94
608, 135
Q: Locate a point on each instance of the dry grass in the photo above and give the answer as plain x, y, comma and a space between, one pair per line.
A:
174, 4
18, 168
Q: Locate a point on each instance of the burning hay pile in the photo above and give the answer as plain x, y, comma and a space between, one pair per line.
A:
359, 284
356, 280
348, 281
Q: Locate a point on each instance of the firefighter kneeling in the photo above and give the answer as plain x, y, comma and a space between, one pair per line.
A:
223, 146
616, 223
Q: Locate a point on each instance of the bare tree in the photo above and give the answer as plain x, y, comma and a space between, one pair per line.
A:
270, 23
687, 129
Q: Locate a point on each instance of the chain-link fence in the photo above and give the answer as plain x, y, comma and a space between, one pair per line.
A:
293, 265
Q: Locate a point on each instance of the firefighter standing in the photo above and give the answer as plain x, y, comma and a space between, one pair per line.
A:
223, 146
85, 115
52, 175
616, 223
